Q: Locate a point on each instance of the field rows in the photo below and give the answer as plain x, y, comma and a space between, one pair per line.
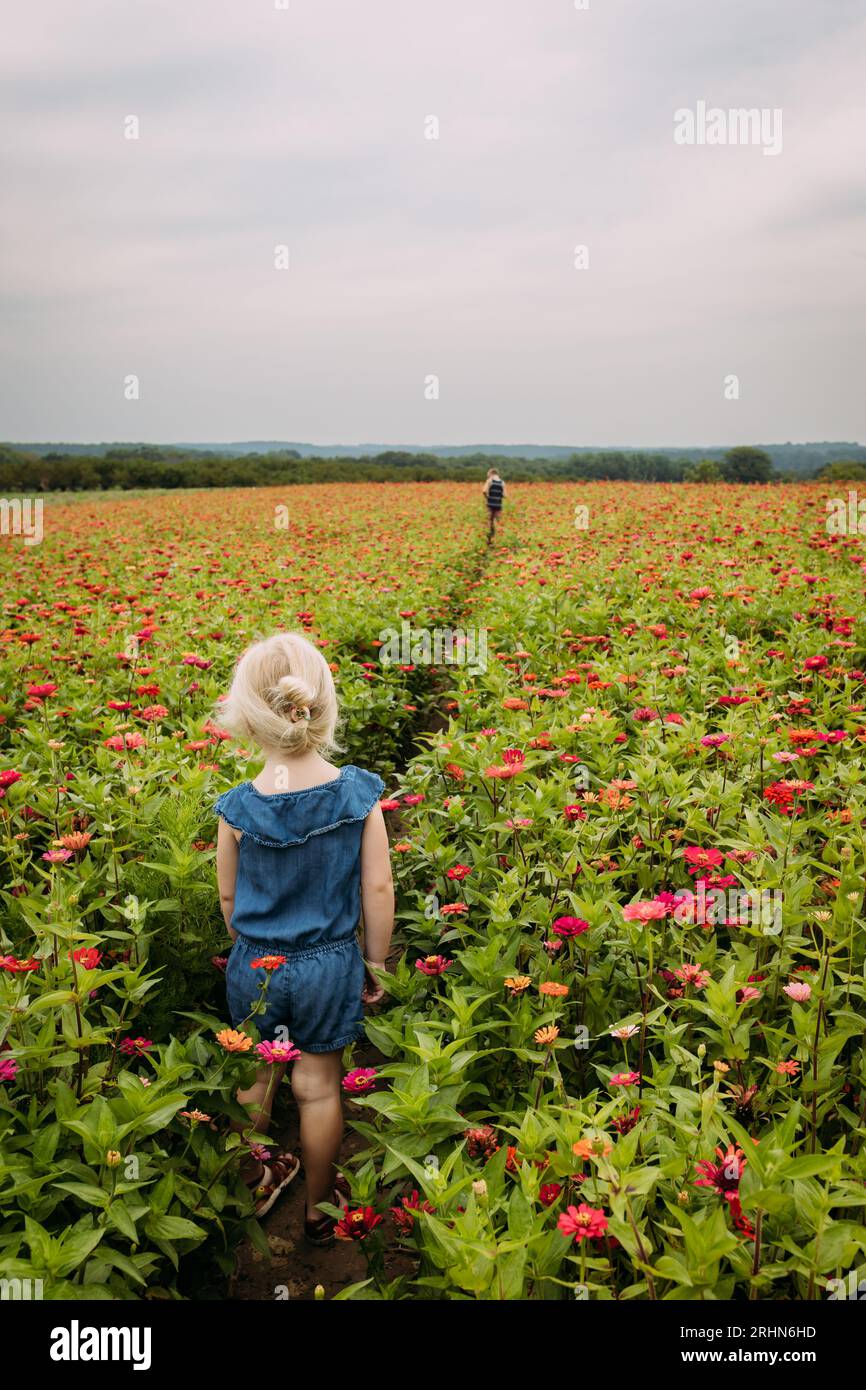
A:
622, 1048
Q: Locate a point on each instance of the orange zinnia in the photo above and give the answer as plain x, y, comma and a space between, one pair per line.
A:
518, 983
233, 1041
592, 1148
553, 988
546, 1036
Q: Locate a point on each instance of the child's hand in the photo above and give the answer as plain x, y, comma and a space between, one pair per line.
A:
372, 991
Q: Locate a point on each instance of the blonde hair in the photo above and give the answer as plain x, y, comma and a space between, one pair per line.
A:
283, 697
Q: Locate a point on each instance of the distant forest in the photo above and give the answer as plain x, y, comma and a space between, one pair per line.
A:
77, 468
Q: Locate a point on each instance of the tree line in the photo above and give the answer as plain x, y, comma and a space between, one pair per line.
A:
152, 466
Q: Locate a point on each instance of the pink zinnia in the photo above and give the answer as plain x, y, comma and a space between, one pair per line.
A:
644, 912
514, 757
361, 1079
583, 1222
624, 1078
8, 1069
698, 858
433, 965
693, 975
798, 991
570, 926
276, 1052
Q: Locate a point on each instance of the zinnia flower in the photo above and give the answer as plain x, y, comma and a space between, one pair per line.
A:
693, 975
723, 1177
798, 990
404, 1214
583, 1222
546, 1037
481, 1142
361, 1079
570, 926
650, 911
87, 957
277, 1052
357, 1225
548, 1193
233, 1041
433, 965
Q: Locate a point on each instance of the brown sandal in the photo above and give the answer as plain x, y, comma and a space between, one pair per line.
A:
284, 1169
321, 1231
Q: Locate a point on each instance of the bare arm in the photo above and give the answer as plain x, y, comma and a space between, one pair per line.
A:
377, 897
227, 872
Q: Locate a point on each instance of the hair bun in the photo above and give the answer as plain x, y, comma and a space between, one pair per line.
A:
292, 697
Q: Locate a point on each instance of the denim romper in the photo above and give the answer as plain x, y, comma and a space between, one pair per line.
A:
298, 895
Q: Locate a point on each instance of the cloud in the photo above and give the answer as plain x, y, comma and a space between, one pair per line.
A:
411, 256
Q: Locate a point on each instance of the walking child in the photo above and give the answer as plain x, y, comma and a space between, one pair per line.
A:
302, 852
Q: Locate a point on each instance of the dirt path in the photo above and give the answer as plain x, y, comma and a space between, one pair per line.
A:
295, 1268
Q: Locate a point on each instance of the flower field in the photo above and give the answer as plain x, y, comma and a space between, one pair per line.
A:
621, 1054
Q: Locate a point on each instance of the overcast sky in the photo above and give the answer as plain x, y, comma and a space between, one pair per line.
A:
411, 257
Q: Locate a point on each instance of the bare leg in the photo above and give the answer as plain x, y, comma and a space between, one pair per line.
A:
259, 1100
316, 1084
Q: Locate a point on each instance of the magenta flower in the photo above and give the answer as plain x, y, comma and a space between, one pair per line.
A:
570, 926
433, 965
135, 1047
624, 1078
359, 1080
277, 1052
8, 1069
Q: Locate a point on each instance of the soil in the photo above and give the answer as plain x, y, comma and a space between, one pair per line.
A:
295, 1268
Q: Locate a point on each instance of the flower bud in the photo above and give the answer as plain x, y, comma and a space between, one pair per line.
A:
113, 1158
319, 1292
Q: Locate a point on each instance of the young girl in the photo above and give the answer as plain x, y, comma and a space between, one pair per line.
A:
301, 851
